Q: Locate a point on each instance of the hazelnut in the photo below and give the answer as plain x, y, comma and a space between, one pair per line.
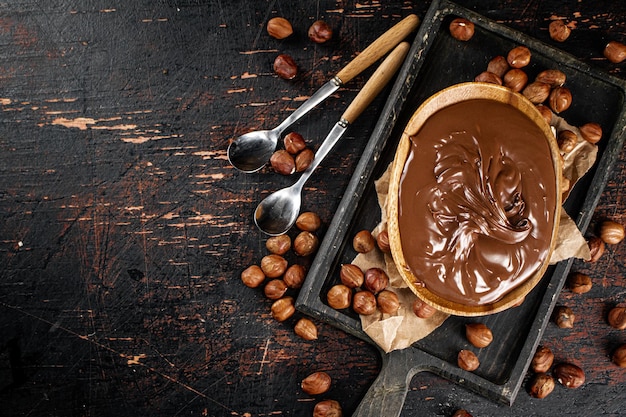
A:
488, 77
617, 318
320, 32
567, 140
283, 308
364, 302
519, 57
275, 289
468, 360
542, 360
306, 329
382, 241
498, 66
423, 310
388, 302
279, 27
569, 375
363, 241
591, 132
253, 276
546, 113
516, 79
478, 334
273, 265
294, 276
304, 159
596, 248
560, 99
282, 162
339, 297
559, 31
305, 244
376, 280
615, 52
351, 275
552, 77
294, 142
461, 29
461, 413
285, 67
278, 245
316, 383
327, 408
308, 221
619, 356
564, 317
537, 92
611, 232
579, 283
541, 385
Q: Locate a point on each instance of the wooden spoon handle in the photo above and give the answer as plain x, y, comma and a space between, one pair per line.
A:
376, 83
378, 48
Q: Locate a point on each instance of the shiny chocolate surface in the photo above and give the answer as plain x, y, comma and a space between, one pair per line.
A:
477, 201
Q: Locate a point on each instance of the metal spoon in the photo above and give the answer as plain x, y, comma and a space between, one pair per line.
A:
278, 211
250, 152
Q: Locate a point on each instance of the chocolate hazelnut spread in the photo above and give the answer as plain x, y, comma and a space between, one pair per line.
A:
477, 201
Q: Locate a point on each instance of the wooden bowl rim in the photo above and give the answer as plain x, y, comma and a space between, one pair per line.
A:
448, 96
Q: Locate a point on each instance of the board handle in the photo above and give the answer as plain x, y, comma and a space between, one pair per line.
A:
386, 396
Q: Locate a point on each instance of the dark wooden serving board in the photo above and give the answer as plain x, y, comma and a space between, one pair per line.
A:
436, 61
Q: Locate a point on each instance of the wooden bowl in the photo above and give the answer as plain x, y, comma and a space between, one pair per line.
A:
452, 95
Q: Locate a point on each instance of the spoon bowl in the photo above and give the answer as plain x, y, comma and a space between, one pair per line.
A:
250, 152
279, 211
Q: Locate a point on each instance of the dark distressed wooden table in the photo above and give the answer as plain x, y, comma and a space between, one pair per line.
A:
123, 229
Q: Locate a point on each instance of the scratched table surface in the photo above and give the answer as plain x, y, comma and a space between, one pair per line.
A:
123, 229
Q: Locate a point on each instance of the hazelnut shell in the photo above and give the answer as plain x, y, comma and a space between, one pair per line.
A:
320, 32
519, 57
316, 383
461, 29
339, 297
364, 302
285, 67
283, 308
569, 375
306, 329
467, 360
542, 360
388, 302
559, 31
279, 28
541, 385
478, 334
363, 241
611, 232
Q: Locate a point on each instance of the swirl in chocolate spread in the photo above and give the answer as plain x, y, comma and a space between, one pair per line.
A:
477, 201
